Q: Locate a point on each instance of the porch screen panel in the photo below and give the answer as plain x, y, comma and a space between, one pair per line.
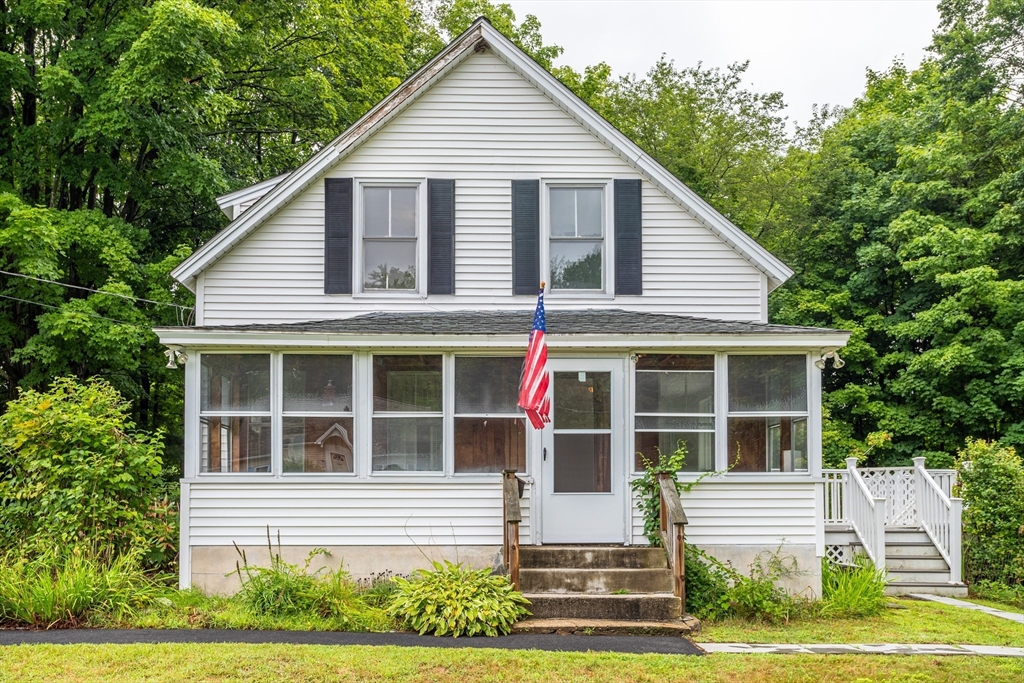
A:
490, 430
408, 417
582, 438
767, 429
234, 413
675, 407
317, 421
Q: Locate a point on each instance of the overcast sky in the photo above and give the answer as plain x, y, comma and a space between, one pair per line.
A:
813, 51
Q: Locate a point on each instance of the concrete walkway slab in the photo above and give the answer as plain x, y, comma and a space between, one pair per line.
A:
862, 649
953, 602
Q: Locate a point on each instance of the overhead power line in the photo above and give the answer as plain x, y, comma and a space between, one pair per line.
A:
96, 291
58, 308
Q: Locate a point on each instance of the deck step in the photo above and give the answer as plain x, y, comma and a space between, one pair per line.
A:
911, 550
897, 536
908, 563
609, 627
953, 590
591, 557
633, 607
551, 580
919, 575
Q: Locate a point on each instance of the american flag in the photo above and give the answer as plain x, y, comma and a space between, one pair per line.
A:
533, 385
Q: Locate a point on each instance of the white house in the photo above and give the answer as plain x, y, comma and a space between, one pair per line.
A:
361, 324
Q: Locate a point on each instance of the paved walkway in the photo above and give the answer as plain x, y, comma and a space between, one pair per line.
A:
1002, 614
885, 649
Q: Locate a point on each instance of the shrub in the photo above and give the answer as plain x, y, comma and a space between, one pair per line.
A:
999, 592
453, 600
74, 471
283, 590
852, 591
992, 486
66, 590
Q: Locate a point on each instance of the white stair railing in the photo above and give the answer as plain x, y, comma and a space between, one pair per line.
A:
939, 516
835, 492
866, 514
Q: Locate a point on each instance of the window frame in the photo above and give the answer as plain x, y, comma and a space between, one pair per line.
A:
447, 399
713, 414
358, 237
203, 414
281, 413
812, 467
452, 414
607, 233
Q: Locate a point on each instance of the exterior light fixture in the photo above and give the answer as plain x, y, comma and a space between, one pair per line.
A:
837, 362
175, 355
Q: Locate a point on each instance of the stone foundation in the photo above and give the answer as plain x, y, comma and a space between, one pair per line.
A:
213, 567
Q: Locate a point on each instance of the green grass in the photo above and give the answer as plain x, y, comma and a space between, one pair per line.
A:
302, 663
919, 622
995, 605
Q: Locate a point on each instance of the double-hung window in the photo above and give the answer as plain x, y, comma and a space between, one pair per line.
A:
317, 419
490, 430
234, 413
576, 246
408, 413
389, 238
675, 405
767, 413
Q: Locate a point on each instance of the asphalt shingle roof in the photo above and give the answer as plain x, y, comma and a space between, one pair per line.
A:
559, 322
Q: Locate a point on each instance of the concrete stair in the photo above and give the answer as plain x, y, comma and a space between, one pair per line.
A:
616, 585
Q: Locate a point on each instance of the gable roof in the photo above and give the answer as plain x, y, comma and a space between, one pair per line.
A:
480, 36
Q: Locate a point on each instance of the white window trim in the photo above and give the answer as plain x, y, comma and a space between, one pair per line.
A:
608, 232
713, 414
201, 414
357, 238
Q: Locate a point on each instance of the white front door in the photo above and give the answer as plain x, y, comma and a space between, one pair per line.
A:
583, 466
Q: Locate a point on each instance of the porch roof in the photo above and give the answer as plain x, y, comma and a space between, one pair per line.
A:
602, 322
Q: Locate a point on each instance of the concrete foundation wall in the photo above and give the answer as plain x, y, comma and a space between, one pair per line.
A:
805, 580
213, 567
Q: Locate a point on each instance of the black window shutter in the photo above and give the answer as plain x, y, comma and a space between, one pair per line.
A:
440, 236
628, 240
525, 236
338, 236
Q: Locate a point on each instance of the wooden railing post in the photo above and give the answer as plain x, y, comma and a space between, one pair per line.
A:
511, 517
673, 532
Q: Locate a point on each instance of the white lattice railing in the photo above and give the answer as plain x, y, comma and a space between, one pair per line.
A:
939, 516
895, 484
865, 513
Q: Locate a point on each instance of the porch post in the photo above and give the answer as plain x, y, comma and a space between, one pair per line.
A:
918, 489
956, 557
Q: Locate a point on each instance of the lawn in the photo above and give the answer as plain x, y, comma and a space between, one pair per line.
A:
225, 663
918, 622
995, 605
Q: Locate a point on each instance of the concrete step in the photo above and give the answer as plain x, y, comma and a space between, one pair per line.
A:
919, 576
591, 557
909, 563
685, 626
953, 590
634, 607
552, 580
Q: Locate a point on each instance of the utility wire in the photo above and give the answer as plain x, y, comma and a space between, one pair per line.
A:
97, 291
57, 308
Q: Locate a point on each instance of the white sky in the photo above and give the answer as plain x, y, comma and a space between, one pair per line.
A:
813, 51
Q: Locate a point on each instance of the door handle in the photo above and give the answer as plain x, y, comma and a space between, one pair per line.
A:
545, 454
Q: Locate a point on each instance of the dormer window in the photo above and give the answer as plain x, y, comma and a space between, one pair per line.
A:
389, 238
576, 244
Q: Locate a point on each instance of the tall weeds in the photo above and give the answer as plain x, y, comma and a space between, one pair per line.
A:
852, 591
56, 589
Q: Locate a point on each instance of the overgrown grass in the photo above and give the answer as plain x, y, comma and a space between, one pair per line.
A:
308, 663
71, 588
993, 591
852, 591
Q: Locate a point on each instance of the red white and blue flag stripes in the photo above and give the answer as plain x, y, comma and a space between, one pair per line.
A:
533, 385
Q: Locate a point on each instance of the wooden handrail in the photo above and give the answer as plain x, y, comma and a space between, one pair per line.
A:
673, 536
512, 515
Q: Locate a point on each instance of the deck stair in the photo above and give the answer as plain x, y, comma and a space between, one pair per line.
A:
602, 589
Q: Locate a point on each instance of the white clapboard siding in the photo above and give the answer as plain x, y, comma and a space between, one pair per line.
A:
725, 513
482, 125
440, 513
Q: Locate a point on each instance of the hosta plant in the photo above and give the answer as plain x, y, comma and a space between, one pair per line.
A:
453, 600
